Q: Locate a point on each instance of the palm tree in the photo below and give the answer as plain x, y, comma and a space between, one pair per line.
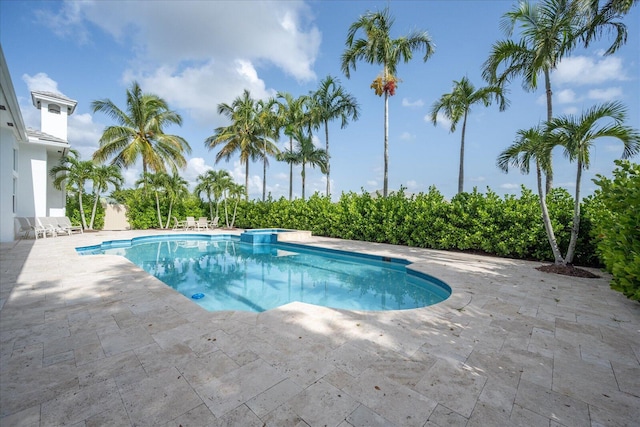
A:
269, 122
548, 31
73, 173
242, 135
531, 144
234, 192
578, 134
176, 188
291, 114
102, 177
307, 153
334, 102
378, 47
457, 105
213, 184
156, 182
139, 133
605, 19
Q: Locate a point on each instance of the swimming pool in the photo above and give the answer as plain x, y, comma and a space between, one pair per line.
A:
221, 272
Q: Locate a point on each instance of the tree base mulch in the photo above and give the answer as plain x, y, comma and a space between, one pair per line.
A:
567, 270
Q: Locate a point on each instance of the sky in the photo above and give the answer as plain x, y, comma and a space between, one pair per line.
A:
199, 54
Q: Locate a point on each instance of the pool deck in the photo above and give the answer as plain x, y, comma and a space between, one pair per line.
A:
94, 340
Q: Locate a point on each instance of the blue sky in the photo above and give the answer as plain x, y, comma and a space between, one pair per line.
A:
199, 54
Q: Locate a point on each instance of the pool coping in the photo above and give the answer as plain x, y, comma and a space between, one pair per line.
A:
95, 341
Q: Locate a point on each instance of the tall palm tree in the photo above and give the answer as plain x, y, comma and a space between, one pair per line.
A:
378, 47
242, 135
176, 188
102, 177
457, 105
156, 182
139, 133
578, 134
334, 102
548, 30
213, 184
269, 122
71, 173
531, 144
291, 113
234, 192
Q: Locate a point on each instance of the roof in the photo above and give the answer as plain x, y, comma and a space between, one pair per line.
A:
58, 98
45, 137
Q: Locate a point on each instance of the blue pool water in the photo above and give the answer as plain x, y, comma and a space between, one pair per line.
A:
223, 273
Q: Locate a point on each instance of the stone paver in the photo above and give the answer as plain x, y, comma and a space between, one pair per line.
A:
96, 341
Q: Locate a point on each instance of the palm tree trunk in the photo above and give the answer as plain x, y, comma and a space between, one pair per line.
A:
82, 216
546, 220
385, 186
303, 178
575, 228
246, 180
211, 210
326, 134
158, 209
169, 215
235, 211
264, 175
226, 213
290, 170
461, 171
93, 210
547, 85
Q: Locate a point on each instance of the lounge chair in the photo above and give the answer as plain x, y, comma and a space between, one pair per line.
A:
48, 224
65, 224
214, 223
179, 225
191, 223
27, 228
203, 223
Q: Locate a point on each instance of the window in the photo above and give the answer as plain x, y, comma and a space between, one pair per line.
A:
15, 160
15, 195
54, 109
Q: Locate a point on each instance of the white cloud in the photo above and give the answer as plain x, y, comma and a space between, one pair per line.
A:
41, 82
270, 32
372, 183
406, 136
191, 88
566, 96
412, 104
570, 110
509, 186
441, 120
609, 94
583, 70
84, 134
195, 166
412, 184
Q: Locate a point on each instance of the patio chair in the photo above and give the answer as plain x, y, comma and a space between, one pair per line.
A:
203, 223
65, 224
214, 223
48, 224
191, 223
179, 225
27, 228
40, 227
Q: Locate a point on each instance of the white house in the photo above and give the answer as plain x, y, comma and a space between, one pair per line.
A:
27, 155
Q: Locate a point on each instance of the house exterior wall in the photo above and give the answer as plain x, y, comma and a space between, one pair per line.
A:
8, 173
51, 122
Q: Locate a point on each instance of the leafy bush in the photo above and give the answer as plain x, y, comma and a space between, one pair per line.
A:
616, 226
510, 226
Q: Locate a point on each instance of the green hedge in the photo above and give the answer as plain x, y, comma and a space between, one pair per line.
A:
617, 226
479, 222
73, 211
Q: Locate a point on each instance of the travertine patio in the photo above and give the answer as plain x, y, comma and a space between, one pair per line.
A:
94, 340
